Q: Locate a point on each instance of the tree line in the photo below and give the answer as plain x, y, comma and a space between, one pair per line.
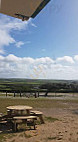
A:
32, 87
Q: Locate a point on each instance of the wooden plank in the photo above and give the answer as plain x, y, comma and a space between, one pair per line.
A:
22, 9
24, 117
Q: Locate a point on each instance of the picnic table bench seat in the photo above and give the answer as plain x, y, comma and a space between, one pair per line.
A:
38, 114
2, 119
1, 116
29, 120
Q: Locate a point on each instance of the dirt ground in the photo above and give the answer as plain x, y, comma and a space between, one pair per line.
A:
64, 129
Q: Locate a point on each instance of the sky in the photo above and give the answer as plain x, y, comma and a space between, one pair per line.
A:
45, 47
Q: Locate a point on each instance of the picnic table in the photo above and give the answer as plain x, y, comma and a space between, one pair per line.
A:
19, 110
21, 114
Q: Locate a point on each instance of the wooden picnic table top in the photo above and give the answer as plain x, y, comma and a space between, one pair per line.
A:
19, 107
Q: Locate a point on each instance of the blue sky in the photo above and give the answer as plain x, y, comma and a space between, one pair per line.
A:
56, 31
49, 41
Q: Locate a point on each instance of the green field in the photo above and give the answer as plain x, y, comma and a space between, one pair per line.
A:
35, 103
28, 85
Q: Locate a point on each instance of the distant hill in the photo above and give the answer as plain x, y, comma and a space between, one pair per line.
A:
26, 85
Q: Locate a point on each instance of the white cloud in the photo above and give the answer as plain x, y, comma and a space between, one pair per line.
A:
76, 57
11, 58
32, 24
45, 68
44, 60
7, 25
19, 44
66, 59
5, 39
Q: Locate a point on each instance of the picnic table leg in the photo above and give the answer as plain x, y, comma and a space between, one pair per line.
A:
41, 119
28, 112
22, 112
15, 126
34, 124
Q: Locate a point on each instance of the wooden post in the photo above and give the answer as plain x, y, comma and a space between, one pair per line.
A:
35, 95
38, 93
14, 93
20, 94
6, 93
46, 94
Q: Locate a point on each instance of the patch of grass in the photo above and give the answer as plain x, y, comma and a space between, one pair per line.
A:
52, 138
50, 119
2, 137
38, 122
11, 135
35, 103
